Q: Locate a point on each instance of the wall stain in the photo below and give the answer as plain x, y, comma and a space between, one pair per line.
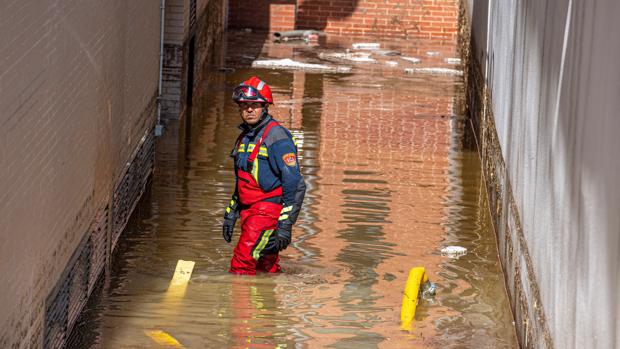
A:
522, 286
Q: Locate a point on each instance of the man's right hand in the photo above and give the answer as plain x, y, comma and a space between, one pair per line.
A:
230, 218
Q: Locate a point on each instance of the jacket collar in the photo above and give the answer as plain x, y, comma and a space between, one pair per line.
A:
252, 131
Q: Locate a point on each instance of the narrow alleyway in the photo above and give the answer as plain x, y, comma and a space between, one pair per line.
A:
393, 176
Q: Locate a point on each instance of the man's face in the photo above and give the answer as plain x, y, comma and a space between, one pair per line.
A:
251, 112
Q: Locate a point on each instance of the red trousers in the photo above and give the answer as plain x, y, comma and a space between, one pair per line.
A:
258, 222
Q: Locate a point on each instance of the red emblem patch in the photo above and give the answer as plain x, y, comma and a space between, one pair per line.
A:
290, 159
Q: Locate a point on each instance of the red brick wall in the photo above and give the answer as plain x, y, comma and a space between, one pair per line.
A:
262, 14
392, 18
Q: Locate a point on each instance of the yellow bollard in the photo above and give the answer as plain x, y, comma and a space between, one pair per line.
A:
178, 283
163, 338
183, 272
180, 279
174, 295
417, 277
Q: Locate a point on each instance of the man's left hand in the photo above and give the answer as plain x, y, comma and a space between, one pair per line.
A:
282, 238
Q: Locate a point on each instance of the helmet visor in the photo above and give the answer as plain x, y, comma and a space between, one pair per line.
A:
246, 93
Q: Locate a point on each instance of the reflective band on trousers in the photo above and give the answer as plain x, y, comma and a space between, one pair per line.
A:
261, 245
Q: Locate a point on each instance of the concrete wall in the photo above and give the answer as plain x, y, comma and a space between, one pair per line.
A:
193, 27
435, 19
544, 89
78, 81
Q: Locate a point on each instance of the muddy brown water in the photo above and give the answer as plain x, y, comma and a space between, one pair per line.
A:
392, 176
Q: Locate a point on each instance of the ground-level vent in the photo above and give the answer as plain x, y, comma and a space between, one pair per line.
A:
66, 301
79, 279
98, 242
132, 185
192, 14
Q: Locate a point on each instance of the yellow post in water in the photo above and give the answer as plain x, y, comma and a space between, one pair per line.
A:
417, 277
183, 272
174, 295
178, 284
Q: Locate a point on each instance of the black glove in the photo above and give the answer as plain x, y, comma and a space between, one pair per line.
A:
281, 238
230, 218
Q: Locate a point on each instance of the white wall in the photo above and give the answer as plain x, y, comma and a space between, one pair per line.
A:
551, 67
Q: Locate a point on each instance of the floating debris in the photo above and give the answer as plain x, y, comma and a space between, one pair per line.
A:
438, 71
432, 53
411, 59
388, 53
288, 63
366, 46
391, 63
454, 251
428, 290
452, 60
306, 35
362, 57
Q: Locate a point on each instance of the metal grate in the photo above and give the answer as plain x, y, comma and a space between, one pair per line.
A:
192, 14
56, 314
66, 301
78, 288
99, 248
132, 186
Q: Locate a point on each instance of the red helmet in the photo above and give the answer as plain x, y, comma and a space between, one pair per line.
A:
253, 90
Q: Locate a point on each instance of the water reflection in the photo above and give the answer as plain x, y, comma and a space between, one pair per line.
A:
389, 183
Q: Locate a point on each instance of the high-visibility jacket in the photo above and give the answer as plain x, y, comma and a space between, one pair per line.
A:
270, 173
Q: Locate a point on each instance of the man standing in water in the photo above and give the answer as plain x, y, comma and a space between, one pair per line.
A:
269, 188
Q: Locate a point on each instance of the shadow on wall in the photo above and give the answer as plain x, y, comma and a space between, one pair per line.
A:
280, 15
315, 14
263, 17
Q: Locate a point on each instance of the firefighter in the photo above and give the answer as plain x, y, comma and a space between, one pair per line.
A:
269, 188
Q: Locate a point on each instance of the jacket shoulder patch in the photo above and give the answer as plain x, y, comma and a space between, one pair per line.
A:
290, 159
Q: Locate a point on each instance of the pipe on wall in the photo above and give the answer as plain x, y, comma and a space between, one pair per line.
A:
159, 127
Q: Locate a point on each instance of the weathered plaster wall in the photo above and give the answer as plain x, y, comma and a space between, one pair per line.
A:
78, 81
544, 89
193, 27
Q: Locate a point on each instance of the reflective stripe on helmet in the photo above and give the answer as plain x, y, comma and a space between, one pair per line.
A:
253, 89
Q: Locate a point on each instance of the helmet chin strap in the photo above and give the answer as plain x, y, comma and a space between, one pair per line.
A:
264, 114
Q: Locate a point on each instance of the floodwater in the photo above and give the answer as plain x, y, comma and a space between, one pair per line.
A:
392, 175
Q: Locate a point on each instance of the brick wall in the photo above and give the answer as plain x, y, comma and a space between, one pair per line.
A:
82, 78
208, 32
262, 14
392, 18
